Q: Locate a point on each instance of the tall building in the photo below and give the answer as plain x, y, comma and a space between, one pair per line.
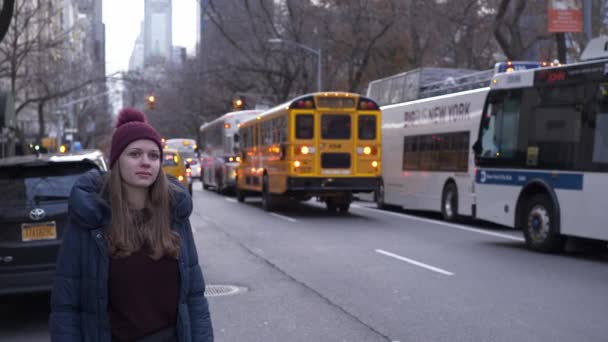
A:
136, 62
158, 41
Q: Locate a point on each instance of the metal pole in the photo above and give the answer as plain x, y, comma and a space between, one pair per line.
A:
587, 19
319, 82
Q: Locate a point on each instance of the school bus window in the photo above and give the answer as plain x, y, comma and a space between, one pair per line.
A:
283, 129
335, 126
305, 124
267, 133
367, 127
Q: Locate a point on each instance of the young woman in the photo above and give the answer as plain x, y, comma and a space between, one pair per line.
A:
128, 267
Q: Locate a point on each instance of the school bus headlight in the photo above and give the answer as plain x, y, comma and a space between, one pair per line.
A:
375, 163
180, 178
297, 164
238, 159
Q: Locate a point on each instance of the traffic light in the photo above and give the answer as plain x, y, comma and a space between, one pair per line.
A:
151, 102
238, 104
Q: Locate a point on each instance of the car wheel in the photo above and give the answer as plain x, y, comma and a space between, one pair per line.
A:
539, 225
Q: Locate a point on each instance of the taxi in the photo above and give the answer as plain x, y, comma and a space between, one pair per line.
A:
174, 165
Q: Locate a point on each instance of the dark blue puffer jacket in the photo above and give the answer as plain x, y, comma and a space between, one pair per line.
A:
79, 301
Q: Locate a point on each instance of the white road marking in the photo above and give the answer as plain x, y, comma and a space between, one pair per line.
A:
445, 224
414, 262
231, 200
283, 217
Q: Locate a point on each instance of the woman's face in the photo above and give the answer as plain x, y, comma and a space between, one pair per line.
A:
140, 163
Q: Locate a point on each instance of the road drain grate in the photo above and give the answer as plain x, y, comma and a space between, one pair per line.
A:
222, 290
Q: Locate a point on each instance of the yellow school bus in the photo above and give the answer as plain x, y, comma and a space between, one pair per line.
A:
324, 145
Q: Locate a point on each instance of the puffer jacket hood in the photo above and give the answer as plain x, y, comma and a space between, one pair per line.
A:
93, 211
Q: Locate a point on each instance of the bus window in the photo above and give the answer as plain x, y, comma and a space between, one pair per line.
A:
367, 127
305, 124
500, 128
600, 140
335, 126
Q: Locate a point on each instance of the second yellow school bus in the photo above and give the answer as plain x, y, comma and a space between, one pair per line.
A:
326, 145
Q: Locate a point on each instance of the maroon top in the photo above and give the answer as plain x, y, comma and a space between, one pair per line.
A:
143, 295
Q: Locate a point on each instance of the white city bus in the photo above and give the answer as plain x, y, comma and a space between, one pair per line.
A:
428, 161
542, 153
219, 145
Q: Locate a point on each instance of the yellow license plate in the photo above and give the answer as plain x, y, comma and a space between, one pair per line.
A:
38, 231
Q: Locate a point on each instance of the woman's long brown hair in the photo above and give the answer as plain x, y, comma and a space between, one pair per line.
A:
129, 232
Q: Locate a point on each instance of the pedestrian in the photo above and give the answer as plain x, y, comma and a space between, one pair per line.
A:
128, 267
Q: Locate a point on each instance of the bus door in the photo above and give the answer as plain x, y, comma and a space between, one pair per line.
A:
335, 143
305, 145
497, 187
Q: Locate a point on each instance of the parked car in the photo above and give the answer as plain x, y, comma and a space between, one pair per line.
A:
33, 215
174, 165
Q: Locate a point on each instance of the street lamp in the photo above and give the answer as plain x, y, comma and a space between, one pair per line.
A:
307, 48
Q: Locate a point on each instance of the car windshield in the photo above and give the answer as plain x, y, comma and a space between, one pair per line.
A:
25, 184
170, 159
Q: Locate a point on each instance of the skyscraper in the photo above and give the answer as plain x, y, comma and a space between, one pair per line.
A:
157, 31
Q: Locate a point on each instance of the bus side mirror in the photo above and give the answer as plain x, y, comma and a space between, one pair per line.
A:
477, 148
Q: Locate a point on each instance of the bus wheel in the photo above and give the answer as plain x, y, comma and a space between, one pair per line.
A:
539, 225
190, 189
449, 202
380, 197
267, 197
205, 186
240, 194
343, 207
331, 204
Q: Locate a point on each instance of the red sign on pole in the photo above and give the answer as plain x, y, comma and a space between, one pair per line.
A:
565, 16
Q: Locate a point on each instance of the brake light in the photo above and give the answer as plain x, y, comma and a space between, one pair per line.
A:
367, 150
367, 104
305, 150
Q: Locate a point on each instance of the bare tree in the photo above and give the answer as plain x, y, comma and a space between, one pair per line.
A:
354, 31
515, 37
33, 61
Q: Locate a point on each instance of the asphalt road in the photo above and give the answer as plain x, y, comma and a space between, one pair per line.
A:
370, 275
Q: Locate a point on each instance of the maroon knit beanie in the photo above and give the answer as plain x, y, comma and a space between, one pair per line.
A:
131, 125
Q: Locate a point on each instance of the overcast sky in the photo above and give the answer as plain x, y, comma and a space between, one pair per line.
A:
123, 18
